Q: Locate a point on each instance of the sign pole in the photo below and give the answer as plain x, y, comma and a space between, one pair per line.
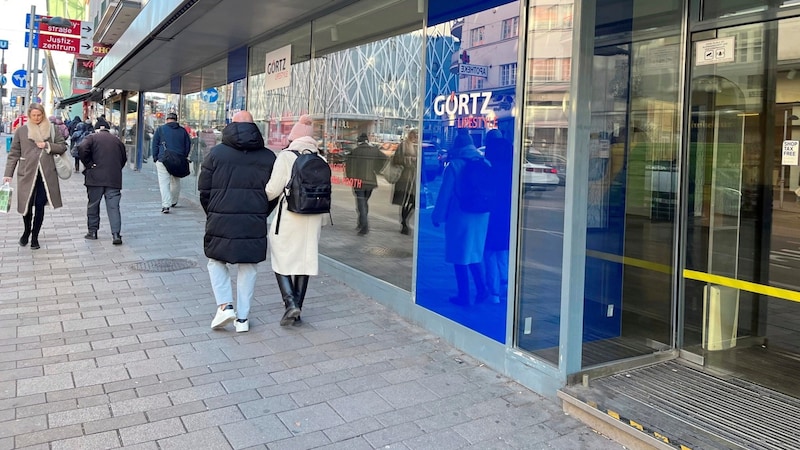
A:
31, 29
35, 85
2, 74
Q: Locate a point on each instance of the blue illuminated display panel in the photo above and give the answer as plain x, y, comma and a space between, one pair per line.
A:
466, 153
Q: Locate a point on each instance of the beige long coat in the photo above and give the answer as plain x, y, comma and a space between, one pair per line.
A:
295, 249
28, 159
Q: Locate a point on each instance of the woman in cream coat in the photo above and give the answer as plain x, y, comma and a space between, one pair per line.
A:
294, 238
31, 155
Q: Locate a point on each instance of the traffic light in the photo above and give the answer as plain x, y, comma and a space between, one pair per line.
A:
3, 68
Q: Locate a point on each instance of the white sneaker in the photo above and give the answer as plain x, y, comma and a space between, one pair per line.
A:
242, 327
223, 317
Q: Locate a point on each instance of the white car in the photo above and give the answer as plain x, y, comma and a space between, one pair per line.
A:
539, 177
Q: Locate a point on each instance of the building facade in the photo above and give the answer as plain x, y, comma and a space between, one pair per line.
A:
644, 180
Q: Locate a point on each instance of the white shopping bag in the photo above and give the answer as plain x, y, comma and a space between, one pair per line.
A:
6, 192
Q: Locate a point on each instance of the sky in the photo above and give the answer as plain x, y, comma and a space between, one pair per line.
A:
12, 29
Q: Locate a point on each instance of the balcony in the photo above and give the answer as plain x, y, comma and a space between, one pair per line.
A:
456, 28
115, 19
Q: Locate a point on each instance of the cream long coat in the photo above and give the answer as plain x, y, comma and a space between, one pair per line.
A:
28, 159
295, 249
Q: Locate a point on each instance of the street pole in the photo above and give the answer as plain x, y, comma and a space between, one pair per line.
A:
29, 78
2, 74
35, 86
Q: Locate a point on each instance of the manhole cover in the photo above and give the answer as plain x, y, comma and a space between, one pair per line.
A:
386, 251
163, 265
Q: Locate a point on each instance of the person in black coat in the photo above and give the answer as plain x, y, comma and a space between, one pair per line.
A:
361, 168
170, 137
103, 155
232, 183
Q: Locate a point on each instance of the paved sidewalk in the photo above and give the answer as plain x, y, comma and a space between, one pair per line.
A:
97, 353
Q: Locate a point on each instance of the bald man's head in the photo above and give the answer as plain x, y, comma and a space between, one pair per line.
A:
243, 116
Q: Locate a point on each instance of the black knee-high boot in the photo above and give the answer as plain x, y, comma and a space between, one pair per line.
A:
289, 299
27, 219
300, 286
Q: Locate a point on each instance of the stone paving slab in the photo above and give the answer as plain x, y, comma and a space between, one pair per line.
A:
97, 354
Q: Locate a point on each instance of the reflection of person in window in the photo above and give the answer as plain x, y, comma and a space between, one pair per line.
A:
405, 190
465, 233
500, 153
361, 168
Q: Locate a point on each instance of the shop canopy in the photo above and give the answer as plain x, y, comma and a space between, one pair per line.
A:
93, 95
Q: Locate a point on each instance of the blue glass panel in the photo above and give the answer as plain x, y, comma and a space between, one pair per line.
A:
466, 154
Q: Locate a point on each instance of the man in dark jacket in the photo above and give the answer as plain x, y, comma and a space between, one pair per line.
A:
170, 137
361, 168
103, 155
232, 185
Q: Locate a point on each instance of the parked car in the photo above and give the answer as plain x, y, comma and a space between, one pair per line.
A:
537, 177
338, 150
555, 161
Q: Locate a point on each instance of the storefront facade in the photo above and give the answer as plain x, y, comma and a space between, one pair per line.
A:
641, 206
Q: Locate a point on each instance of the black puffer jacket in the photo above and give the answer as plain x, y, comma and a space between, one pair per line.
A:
232, 180
104, 157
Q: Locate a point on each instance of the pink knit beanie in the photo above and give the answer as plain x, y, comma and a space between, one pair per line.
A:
302, 128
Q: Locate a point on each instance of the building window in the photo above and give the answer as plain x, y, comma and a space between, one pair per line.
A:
476, 36
476, 83
510, 28
551, 17
508, 74
543, 69
566, 68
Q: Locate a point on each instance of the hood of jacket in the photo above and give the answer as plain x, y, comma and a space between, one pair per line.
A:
242, 136
304, 143
467, 152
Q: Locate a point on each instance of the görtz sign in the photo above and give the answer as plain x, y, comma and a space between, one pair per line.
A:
279, 68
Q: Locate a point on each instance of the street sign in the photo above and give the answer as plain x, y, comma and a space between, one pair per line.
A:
210, 95
80, 28
3, 45
61, 43
19, 92
473, 70
19, 78
12, 102
3, 80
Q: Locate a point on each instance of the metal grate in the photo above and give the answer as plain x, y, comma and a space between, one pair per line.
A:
740, 412
164, 265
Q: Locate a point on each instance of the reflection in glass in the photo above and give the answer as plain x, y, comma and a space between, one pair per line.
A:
742, 226
633, 160
363, 106
465, 190
544, 177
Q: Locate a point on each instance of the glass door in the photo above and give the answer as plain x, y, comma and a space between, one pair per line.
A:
742, 255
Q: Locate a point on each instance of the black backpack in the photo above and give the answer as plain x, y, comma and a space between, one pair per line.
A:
474, 187
309, 188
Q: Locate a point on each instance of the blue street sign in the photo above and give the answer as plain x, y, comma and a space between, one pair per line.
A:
12, 101
210, 95
3, 45
28, 20
3, 80
19, 78
28, 39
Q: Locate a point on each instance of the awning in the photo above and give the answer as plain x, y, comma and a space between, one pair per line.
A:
93, 95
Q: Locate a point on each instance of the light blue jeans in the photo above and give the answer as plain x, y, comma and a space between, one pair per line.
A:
219, 272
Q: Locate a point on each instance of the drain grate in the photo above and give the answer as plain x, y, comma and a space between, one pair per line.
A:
386, 251
164, 265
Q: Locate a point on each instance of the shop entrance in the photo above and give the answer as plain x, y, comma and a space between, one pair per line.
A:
742, 259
